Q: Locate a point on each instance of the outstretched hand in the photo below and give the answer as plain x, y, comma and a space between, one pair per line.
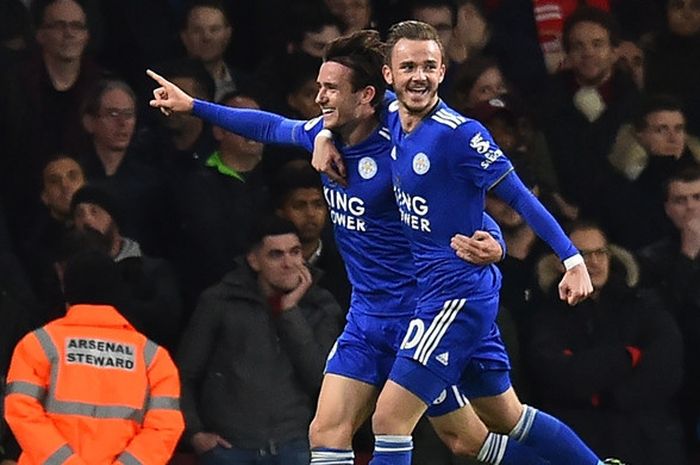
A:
169, 98
576, 285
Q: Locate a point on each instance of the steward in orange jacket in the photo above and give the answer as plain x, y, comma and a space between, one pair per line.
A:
88, 389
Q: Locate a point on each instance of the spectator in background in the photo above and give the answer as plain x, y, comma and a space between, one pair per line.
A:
519, 293
217, 204
645, 154
206, 34
15, 32
301, 87
611, 366
298, 197
313, 27
482, 93
88, 387
354, 14
672, 266
471, 31
183, 142
60, 179
672, 63
40, 100
153, 302
252, 357
632, 59
477, 80
109, 117
585, 106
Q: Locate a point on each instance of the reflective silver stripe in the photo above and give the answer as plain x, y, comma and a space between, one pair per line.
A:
47, 344
62, 454
52, 354
29, 389
128, 459
164, 403
149, 352
94, 411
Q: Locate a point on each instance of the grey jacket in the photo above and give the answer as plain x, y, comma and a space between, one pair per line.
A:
248, 376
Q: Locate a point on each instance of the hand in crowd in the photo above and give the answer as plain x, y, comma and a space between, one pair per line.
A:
480, 249
327, 160
576, 285
203, 442
291, 299
168, 97
690, 237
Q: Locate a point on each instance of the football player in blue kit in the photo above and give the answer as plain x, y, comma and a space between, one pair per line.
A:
444, 163
354, 371
369, 233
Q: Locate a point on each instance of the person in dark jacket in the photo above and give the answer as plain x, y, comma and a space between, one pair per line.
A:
584, 106
612, 365
672, 266
154, 301
252, 357
298, 196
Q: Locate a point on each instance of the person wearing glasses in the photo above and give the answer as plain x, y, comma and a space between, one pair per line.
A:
109, 118
611, 366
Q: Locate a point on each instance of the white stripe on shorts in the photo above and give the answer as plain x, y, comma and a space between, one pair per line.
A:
438, 328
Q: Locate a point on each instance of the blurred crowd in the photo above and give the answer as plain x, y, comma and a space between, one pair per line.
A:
597, 103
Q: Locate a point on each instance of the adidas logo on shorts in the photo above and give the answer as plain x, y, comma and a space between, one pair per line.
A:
443, 358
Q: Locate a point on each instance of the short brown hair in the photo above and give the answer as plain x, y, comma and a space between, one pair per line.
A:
411, 30
363, 53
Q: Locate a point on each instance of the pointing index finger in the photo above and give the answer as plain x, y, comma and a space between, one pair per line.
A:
157, 77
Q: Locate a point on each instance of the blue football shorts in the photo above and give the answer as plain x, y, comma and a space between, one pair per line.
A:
366, 351
456, 343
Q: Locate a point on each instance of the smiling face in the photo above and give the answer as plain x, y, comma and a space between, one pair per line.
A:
591, 53
415, 71
340, 104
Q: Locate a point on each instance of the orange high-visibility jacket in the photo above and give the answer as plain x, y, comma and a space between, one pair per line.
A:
88, 389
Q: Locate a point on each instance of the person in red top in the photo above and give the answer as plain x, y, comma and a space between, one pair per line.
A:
88, 388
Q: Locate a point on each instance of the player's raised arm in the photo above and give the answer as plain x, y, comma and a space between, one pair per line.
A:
258, 125
576, 285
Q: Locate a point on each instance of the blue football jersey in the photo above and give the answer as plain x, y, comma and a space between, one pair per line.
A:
441, 172
366, 224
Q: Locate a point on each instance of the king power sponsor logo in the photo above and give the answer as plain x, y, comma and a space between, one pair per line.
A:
346, 211
414, 209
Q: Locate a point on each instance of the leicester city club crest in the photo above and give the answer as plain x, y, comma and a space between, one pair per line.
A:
367, 167
421, 163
